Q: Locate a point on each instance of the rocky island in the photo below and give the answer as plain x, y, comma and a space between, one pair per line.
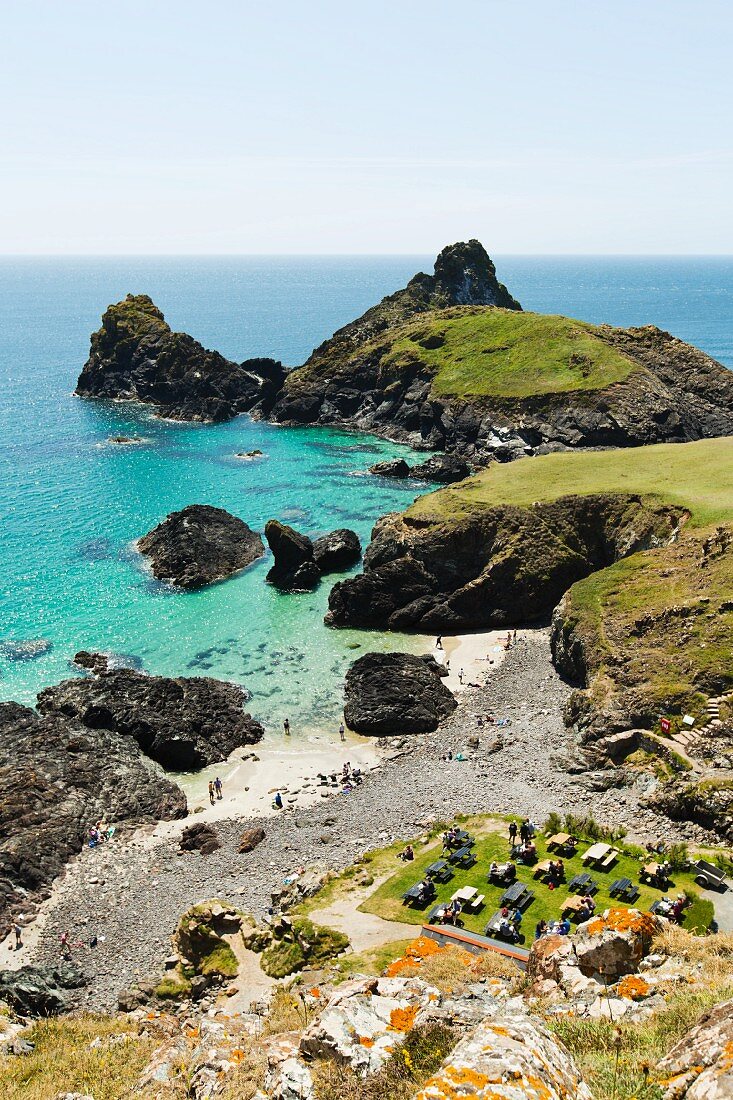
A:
451, 362
300, 562
200, 545
135, 356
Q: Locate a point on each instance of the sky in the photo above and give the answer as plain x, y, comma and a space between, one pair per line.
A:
380, 127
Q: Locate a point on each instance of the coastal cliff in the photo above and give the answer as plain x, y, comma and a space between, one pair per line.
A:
135, 356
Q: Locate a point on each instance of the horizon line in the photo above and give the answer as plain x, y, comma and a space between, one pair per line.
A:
345, 255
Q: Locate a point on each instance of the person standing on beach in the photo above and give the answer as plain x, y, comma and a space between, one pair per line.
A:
460, 677
342, 732
18, 936
217, 787
211, 792
439, 642
286, 726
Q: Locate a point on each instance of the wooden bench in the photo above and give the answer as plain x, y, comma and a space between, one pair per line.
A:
477, 902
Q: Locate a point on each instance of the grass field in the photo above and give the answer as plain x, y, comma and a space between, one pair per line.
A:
386, 901
505, 354
697, 476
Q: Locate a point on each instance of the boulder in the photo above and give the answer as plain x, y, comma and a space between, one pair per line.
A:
396, 467
40, 990
91, 662
56, 779
337, 551
700, 1065
395, 693
614, 943
135, 356
507, 1058
183, 723
200, 545
250, 838
295, 568
200, 837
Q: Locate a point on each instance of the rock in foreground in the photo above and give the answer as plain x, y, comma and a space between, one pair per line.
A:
136, 357
395, 693
57, 779
40, 990
700, 1066
183, 723
200, 545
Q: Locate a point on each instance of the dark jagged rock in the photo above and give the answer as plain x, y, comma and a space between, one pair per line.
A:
442, 468
396, 467
136, 357
56, 779
40, 990
183, 723
200, 837
500, 566
295, 568
337, 550
200, 545
91, 662
391, 693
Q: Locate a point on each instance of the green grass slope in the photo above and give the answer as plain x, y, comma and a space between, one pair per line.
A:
505, 354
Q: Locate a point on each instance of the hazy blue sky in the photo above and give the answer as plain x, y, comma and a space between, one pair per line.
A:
182, 127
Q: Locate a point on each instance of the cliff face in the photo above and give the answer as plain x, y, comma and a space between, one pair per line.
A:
497, 567
135, 356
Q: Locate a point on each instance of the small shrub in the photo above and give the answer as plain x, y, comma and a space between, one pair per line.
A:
677, 856
172, 986
306, 944
553, 824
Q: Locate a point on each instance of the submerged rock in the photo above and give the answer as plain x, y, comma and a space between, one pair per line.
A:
391, 693
200, 545
57, 778
183, 723
135, 356
25, 650
337, 551
295, 568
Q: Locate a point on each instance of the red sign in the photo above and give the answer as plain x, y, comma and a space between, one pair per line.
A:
665, 724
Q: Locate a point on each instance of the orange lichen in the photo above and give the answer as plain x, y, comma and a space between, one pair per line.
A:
416, 952
366, 1041
403, 1019
633, 988
624, 920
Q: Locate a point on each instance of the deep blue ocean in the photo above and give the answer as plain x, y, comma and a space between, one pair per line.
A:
71, 504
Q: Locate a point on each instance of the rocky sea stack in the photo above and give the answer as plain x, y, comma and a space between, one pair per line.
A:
395, 693
135, 356
300, 563
200, 545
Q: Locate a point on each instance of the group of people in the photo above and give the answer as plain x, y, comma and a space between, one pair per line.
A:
502, 872
215, 790
510, 924
451, 914
99, 832
451, 838
554, 927
555, 873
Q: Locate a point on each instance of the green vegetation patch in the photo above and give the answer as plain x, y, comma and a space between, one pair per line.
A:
387, 902
505, 354
307, 944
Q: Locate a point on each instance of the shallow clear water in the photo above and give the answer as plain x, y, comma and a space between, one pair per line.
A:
71, 504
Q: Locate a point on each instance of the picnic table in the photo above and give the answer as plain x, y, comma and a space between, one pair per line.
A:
597, 852
504, 872
620, 886
420, 892
543, 868
518, 894
662, 906
466, 893
583, 882
464, 857
559, 840
439, 870
460, 839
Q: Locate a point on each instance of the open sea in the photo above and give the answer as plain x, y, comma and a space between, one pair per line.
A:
71, 504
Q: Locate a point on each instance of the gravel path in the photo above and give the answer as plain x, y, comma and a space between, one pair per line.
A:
132, 894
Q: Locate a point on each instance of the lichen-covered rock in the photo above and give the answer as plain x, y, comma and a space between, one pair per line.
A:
295, 568
366, 1019
700, 1065
337, 550
395, 693
288, 1077
135, 356
614, 943
507, 1058
200, 545
184, 723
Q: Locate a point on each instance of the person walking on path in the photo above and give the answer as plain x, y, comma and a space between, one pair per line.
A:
342, 734
286, 726
217, 787
18, 936
512, 833
439, 642
211, 792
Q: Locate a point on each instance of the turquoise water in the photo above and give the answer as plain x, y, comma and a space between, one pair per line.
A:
71, 504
